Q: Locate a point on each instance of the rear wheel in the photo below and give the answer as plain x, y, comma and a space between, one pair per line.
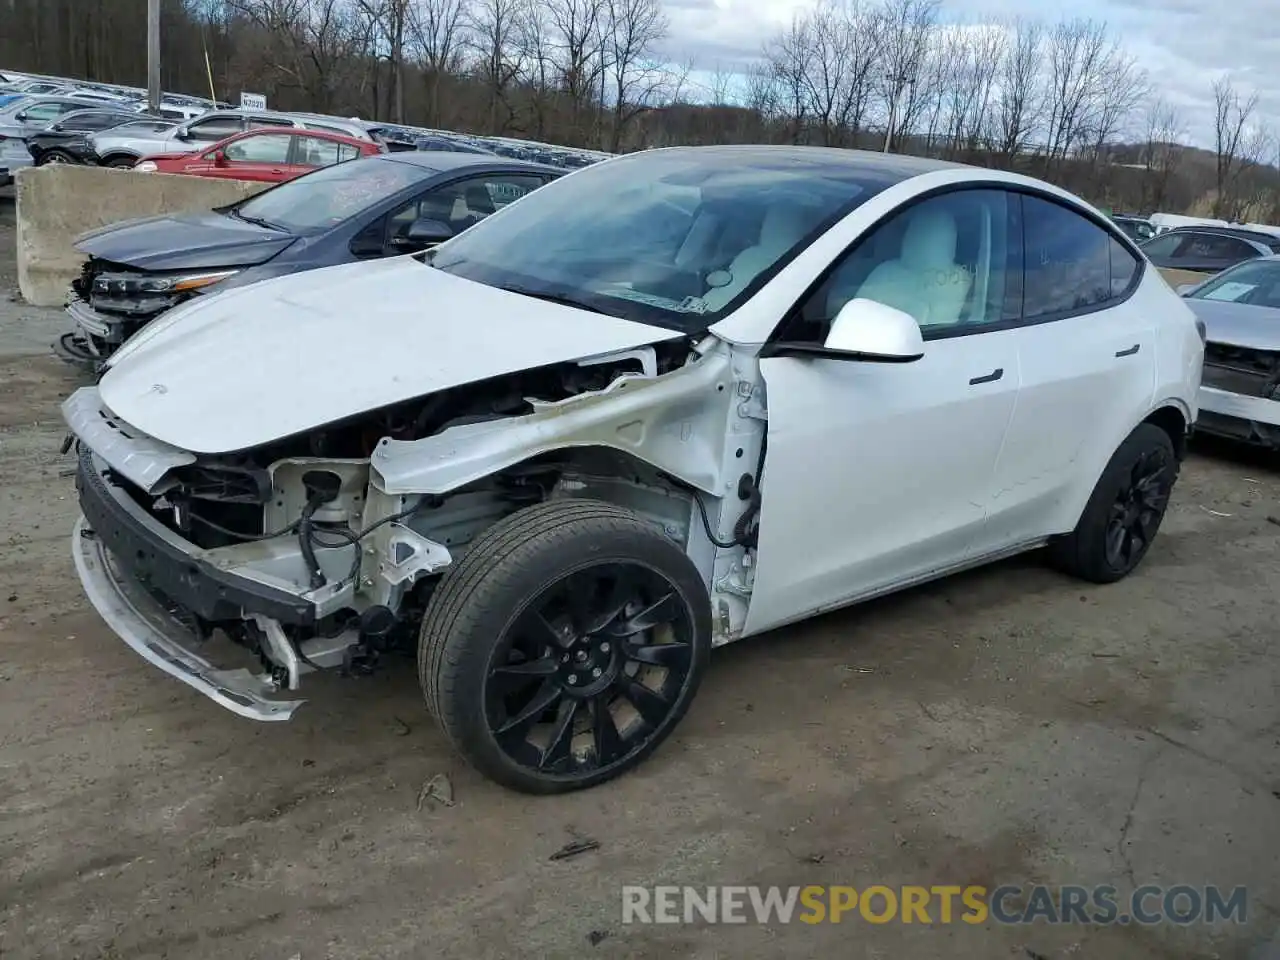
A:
1125, 510
565, 646
119, 163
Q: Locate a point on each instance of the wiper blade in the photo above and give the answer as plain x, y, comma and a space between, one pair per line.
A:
256, 221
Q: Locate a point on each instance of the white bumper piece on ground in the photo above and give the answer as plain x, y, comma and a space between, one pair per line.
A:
142, 623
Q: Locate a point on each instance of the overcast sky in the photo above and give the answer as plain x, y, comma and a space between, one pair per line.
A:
1183, 44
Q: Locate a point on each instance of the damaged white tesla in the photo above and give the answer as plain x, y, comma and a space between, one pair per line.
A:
669, 401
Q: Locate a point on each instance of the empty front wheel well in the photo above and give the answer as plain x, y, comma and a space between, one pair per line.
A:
1171, 421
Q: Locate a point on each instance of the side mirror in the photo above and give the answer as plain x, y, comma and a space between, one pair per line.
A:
867, 330
219, 158
424, 233
182, 133
1183, 289
20, 116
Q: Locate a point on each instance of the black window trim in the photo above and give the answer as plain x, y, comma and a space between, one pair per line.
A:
775, 346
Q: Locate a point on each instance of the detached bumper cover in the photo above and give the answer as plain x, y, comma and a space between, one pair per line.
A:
148, 552
143, 623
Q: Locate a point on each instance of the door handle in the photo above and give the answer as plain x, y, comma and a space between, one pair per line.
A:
991, 377
1130, 352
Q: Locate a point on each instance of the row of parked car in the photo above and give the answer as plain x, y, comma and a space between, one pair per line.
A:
556, 434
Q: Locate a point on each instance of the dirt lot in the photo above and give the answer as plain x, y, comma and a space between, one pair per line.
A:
1008, 726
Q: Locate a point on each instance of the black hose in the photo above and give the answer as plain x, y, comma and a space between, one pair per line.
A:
305, 534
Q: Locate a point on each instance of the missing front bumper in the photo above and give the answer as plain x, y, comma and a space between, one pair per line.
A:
157, 636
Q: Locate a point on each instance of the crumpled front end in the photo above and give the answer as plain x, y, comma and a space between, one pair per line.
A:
283, 597
1240, 394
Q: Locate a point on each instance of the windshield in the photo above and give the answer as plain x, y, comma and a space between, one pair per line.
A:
330, 195
1255, 282
676, 238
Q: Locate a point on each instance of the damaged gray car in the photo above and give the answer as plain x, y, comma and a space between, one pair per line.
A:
1240, 389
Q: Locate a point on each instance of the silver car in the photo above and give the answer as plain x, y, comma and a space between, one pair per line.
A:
20, 119
119, 148
1240, 390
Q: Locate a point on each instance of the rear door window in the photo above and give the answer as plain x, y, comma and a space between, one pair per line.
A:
316, 151
214, 129
1073, 265
267, 148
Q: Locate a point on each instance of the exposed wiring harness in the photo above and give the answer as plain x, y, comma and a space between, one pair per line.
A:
349, 538
746, 528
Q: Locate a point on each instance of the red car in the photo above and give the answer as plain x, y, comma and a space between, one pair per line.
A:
269, 154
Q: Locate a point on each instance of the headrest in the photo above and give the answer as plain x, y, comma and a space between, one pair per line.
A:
930, 240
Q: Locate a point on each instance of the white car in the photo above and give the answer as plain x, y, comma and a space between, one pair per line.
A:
671, 400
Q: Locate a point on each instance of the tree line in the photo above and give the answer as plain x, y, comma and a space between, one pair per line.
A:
1063, 100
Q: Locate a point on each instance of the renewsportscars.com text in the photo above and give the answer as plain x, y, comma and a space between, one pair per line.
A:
937, 904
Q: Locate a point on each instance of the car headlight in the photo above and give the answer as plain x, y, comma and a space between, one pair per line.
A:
146, 166
183, 283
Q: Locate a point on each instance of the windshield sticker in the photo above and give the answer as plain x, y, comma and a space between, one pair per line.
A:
1232, 290
687, 305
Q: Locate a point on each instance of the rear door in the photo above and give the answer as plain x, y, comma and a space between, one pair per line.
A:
311, 153
1088, 365
257, 156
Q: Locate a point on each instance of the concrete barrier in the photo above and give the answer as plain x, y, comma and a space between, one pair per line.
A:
58, 202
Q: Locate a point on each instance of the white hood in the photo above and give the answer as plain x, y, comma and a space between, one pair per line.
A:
279, 357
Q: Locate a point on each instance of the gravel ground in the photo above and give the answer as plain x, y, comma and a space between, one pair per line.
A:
1005, 726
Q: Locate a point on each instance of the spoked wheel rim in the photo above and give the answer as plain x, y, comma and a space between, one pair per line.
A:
55, 158
1138, 509
590, 671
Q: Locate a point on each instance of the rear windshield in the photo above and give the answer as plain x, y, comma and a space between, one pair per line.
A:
330, 195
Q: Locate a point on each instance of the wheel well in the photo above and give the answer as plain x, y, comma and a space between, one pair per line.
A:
111, 157
1171, 421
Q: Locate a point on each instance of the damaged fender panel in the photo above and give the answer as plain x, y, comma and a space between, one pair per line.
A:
673, 422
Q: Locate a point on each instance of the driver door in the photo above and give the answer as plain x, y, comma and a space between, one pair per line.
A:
879, 474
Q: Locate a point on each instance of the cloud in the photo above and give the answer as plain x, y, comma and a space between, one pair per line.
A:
1184, 45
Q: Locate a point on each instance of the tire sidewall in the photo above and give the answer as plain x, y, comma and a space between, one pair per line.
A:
517, 583
1145, 438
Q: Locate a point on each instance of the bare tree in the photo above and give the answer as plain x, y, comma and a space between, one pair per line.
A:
1233, 141
790, 58
1120, 88
1020, 94
308, 43
825, 79
1161, 153
633, 30
494, 28
907, 27
578, 28
718, 89
437, 32
1078, 53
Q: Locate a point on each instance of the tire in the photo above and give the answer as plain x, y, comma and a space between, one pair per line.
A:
54, 156
120, 163
487, 641
1126, 492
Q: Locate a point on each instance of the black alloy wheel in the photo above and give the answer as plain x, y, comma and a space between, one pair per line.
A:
1138, 508
590, 670
565, 645
1124, 512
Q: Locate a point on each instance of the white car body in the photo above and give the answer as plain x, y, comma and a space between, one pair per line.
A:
875, 475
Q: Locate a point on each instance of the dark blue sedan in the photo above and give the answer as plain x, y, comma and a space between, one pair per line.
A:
381, 206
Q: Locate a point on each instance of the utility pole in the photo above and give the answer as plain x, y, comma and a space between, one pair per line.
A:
153, 55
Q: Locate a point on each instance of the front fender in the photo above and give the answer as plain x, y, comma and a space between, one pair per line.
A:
674, 422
